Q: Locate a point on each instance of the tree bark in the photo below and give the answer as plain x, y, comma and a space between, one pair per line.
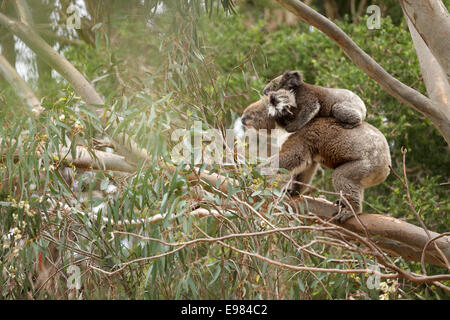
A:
97, 160
431, 20
390, 84
400, 238
435, 79
397, 237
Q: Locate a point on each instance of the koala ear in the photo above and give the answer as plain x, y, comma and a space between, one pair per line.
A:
292, 79
273, 85
296, 75
269, 88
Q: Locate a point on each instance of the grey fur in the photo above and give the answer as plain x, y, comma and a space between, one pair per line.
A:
312, 101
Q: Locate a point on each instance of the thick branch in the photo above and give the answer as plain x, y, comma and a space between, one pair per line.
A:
100, 160
400, 238
393, 86
395, 236
432, 21
19, 86
434, 77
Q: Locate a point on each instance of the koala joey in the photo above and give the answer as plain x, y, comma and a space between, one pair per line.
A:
359, 156
292, 99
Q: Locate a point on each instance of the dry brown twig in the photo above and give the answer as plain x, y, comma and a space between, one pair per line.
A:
413, 210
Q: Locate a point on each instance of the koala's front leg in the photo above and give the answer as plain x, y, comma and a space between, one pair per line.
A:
294, 156
301, 180
306, 114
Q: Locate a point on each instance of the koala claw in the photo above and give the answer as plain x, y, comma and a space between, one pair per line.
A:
293, 193
285, 111
342, 215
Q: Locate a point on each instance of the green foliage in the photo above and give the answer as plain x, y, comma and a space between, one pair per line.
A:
205, 67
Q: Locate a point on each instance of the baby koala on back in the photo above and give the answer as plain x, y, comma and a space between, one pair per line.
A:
293, 103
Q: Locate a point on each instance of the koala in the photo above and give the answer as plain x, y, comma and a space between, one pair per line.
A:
359, 156
291, 98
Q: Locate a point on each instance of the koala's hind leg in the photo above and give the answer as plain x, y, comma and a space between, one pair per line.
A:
300, 179
348, 114
347, 179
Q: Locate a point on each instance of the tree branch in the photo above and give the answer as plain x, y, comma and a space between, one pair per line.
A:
432, 22
52, 58
434, 76
20, 87
97, 160
23, 12
395, 236
83, 88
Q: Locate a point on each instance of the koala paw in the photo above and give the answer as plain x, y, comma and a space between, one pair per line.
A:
293, 193
280, 110
341, 217
343, 214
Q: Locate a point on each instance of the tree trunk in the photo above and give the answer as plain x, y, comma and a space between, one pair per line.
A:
432, 21
434, 76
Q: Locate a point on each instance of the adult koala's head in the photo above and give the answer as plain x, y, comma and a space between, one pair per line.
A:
256, 116
290, 80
